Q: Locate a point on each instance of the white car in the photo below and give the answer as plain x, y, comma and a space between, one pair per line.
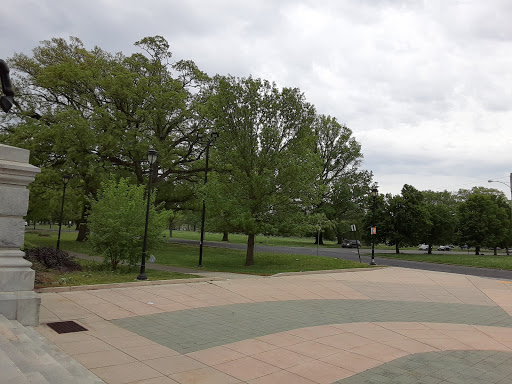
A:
423, 247
444, 248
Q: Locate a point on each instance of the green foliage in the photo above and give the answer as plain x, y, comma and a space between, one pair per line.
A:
52, 258
483, 222
265, 157
117, 221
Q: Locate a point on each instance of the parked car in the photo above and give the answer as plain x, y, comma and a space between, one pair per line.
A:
351, 244
444, 248
423, 247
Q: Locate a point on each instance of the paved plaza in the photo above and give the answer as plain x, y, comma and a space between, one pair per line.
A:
389, 325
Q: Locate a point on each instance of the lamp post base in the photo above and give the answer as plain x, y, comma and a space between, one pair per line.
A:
142, 276
373, 262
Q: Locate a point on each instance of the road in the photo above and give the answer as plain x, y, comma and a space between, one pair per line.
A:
351, 254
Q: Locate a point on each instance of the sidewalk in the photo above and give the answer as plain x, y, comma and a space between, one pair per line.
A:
389, 325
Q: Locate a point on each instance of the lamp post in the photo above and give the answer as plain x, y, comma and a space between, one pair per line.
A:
65, 180
509, 186
375, 192
152, 155
208, 141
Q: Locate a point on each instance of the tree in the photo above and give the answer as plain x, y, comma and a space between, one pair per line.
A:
117, 221
442, 218
341, 185
401, 219
99, 113
483, 222
264, 156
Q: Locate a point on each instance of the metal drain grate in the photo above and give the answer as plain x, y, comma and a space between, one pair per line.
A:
66, 327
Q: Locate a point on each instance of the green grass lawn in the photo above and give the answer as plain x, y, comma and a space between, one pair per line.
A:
214, 259
95, 273
484, 261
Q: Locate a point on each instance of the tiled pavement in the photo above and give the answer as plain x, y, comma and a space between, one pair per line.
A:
381, 326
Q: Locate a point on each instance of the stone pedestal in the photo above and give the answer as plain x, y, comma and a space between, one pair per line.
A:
18, 301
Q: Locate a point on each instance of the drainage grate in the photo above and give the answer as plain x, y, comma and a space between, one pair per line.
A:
66, 327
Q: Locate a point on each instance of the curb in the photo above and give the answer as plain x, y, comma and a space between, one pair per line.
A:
125, 285
328, 271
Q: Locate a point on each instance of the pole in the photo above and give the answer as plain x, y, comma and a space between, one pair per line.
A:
373, 235
204, 208
142, 274
61, 213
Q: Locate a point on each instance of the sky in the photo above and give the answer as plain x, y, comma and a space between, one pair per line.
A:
425, 86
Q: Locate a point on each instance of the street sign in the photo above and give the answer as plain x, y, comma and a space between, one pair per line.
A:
353, 227
373, 231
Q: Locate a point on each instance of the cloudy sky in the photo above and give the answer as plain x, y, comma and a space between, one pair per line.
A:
425, 86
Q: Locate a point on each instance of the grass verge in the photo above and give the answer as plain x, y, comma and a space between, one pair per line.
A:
214, 259
483, 261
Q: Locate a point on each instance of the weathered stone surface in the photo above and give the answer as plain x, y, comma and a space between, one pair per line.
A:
22, 306
12, 232
13, 200
14, 154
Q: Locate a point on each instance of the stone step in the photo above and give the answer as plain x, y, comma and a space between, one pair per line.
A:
30, 357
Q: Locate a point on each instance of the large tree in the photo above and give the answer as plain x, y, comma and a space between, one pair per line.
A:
99, 112
483, 221
342, 186
442, 220
266, 157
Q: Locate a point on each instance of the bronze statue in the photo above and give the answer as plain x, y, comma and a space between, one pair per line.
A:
6, 100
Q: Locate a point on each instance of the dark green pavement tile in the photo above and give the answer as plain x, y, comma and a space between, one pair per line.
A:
188, 330
447, 367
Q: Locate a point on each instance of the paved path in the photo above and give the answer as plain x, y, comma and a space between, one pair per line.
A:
351, 254
389, 325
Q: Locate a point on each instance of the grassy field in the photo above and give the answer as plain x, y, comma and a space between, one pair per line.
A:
484, 261
214, 259
94, 273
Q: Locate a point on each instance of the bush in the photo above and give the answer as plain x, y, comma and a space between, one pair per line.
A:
117, 219
52, 258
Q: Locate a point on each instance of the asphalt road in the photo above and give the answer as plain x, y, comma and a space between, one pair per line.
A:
351, 254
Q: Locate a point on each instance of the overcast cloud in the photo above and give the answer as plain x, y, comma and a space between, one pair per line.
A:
426, 86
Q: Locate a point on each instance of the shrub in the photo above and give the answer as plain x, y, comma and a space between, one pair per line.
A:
117, 219
52, 258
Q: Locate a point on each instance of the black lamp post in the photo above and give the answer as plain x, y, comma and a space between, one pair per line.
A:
375, 192
152, 155
208, 141
65, 180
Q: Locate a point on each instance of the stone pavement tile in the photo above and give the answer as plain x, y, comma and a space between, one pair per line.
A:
281, 339
445, 343
320, 372
379, 351
403, 325
477, 340
282, 358
246, 368
313, 349
379, 334
128, 341
204, 376
311, 333
281, 377
103, 359
351, 361
157, 380
174, 364
410, 346
126, 373
250, 347
344, 341
215, 355
88, 346
149, 351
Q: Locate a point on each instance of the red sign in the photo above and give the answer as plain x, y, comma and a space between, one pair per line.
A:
374, 231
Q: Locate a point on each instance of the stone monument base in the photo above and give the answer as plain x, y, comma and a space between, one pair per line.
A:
22, 306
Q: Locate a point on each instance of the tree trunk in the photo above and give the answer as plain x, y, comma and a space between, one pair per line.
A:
495, 251
319, 238
339, 237
249, 258
429, 249
225, 236
397, 250
170, 232
477, 250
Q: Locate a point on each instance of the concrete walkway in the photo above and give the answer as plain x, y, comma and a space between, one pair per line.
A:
388, 325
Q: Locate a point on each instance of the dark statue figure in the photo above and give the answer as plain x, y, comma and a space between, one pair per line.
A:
7, 99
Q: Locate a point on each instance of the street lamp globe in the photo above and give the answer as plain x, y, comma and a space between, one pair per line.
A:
152, 155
